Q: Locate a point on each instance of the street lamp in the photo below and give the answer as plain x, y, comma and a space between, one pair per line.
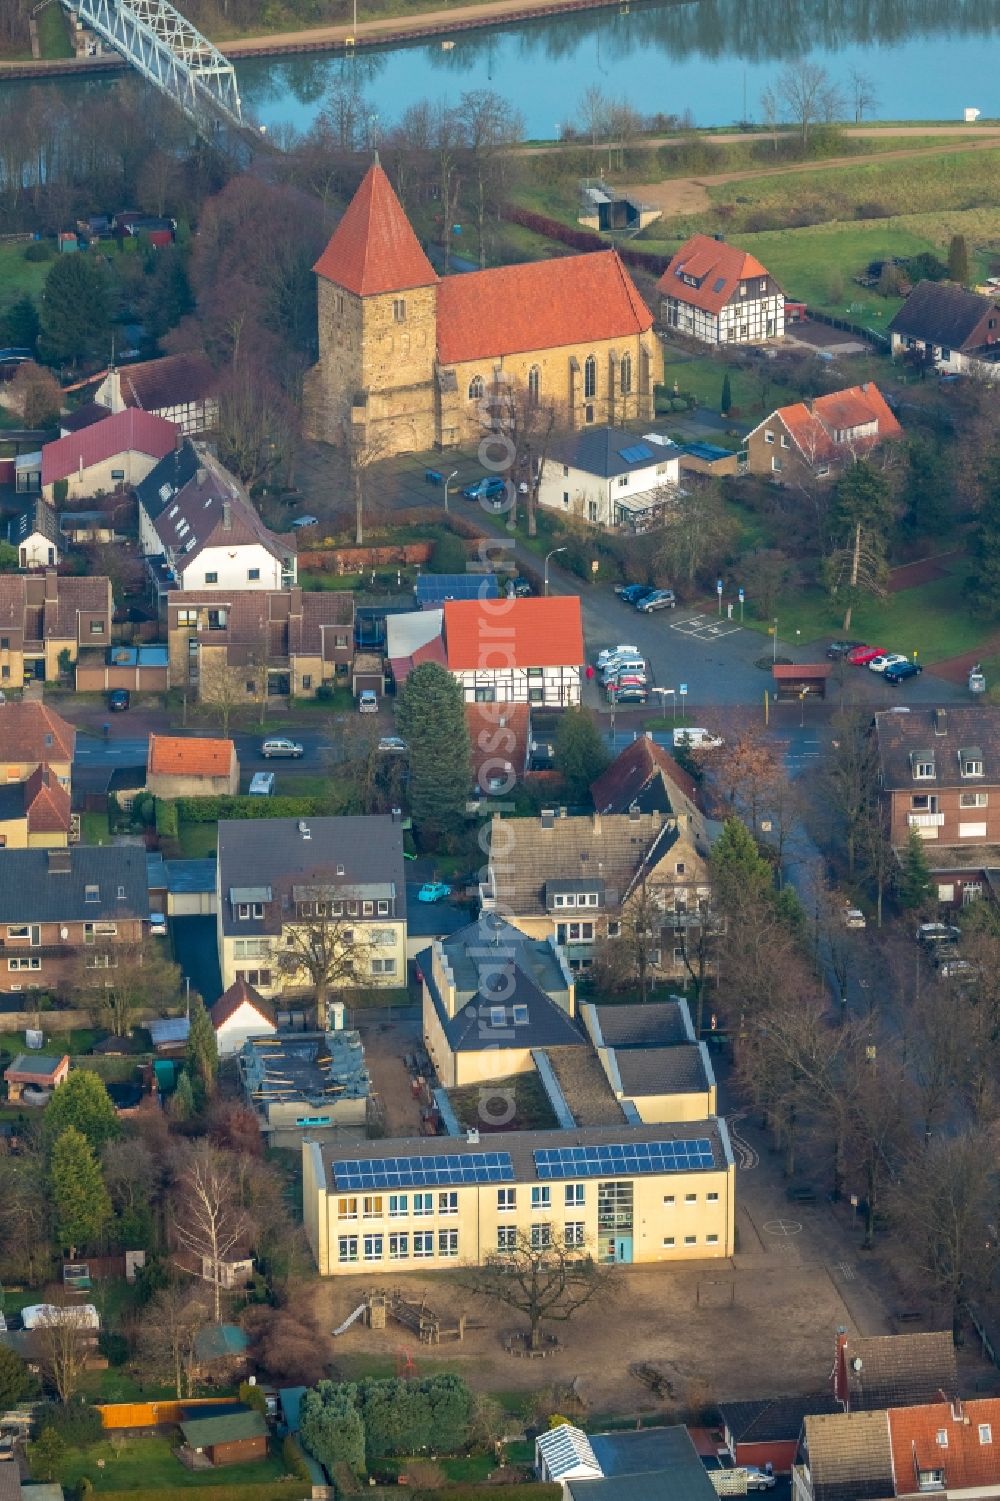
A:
548, 555
452, 475
774, 657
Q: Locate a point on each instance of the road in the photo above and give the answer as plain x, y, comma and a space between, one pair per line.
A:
320, 747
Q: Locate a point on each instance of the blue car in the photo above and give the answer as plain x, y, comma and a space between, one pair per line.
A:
633, 593
433, 891
486, 488
900, 671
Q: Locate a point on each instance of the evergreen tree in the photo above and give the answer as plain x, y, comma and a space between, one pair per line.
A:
76, 309
16, 1381
331, 1428
430, 714
916, 885
958, 260
725, 406
81, 1205
181, 1105
580, 752
928, 489
46, 1456
738, 865
83, 1103
202, 1054
19, 325
983, 590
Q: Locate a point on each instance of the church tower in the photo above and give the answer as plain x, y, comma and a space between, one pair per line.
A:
377, 298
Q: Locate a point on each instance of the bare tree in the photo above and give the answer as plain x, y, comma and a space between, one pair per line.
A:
25, 1230
225, 688
851, 779
864, 96
696, 537
166, 1334
540, 1276
808, 97
61, 1343
447, 138
492, 127
36, 395
117, 979
770, 113
210, 1220
523, 420
595, 114
750, 773
324, 945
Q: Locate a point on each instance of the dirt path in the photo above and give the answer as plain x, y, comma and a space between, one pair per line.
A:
690, 195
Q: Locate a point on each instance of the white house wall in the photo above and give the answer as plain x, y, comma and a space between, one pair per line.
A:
747, 320
37, 551
239, 1028
233, 566
105, 478
554, 687
590, 497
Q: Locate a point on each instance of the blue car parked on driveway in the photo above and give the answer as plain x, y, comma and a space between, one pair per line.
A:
486, 488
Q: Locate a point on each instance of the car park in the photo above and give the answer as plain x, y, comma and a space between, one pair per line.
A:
660, 599
119, 699
433, 891
487, 488
862, 655
633, 593
838, 649
280, 745
901, 671
886, 660
629, 695
610, 653
938, 932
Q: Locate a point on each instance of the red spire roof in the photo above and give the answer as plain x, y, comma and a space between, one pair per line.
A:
373, 249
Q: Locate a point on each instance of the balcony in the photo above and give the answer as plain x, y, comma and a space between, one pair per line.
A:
925, 820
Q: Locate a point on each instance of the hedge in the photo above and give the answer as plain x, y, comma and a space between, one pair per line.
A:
274, 1490
166, 818
586, 239
529, 1491
211, 809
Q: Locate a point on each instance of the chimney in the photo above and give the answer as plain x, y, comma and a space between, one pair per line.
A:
808, 404
841, 1389
633, 813
397, 815
597, 825
865, 386
295, 600
940, 719
58, 862
201, 475
957, 1412
720, 237
472, 1137
227, 516
51, 586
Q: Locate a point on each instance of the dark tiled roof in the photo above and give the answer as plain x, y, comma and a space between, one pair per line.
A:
609, 854
943, 732
212, 510
663, 1485
941, 313
299, 615
643, 774
36, 516
24, 607
850, 1456
897, 1370
31, 892
175, 380
602, 451
170, 475
656, 1024
84, 416
203, 1433
547, 1026
654, 1071
774, 1419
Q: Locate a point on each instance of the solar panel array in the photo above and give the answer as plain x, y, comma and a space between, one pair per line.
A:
435, 588
636, 453
624, 1159
420, 1172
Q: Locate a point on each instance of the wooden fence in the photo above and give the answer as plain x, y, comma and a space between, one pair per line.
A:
151, 1414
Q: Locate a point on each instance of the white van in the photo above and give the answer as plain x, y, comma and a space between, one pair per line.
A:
624, 667
262, 784
696, 739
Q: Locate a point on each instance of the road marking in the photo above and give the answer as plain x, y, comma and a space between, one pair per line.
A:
704, 628
847, 1271
782, 1227
748, 1157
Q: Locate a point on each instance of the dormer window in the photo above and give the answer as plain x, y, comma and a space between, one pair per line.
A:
971, 761
521, 1020
92, 893
922, 763
498, 1016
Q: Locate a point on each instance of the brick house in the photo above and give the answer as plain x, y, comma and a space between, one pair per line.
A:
949, 327
190, 766
292, 639
44, 615
939, 771
32, 735
816, 438
720, 294
57, 905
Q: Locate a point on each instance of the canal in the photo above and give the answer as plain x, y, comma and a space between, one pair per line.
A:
709, 60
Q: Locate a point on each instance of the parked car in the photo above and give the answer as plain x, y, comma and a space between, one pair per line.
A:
301, 521
119, 699
758, 1479
629, 695
157, 925
953, 968
886, 660
838, 649
632, 593
433, 891
393, 743
697, 739
854, 918
900, 671
938, 932
611, 652
862, 655
280, 745
486, 488
261, 784
522, 587
368, 701
660, 599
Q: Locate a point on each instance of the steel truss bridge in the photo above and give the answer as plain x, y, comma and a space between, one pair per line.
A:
169, 52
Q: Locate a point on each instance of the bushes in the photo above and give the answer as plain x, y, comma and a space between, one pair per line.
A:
166, 818
38, 251
527, 1492
77, 1423
278, 1490
293, 1459
211, 809
361, 1423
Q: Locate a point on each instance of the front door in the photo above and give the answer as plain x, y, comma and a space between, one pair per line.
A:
623, 1248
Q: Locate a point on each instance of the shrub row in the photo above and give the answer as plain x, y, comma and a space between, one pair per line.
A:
529, 1491
211, 809
584, 239
276, 1490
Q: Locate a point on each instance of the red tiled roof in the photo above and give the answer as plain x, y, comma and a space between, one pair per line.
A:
718, 267
970, 1460
46, 803
240, 994
813, 426
431, 651
34, 732
577, 299
631, 771
499, 737
492, 634
131, 431
172, 381
190, 756
373, 249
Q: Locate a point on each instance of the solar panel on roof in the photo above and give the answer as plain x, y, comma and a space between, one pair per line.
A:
616, 1158
635, 453
447, 1170
435, 588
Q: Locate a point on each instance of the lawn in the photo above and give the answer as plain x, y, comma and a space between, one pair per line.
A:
94, 828
53, 31
803, 260
18, 276
198, 840
80, 1040
147, 1463
932, 621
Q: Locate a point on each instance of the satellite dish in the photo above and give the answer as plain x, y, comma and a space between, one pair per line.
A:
856, 1364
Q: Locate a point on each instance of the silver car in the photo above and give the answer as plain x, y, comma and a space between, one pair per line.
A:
280, 745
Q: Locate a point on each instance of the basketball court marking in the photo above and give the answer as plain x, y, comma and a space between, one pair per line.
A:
704, 627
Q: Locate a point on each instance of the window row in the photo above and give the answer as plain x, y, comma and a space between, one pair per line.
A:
338, 909
253, 574
574, 1236
375, 1206
710, 1198
373, 1247
691, 1240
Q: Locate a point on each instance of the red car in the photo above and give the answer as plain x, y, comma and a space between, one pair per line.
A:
862, 655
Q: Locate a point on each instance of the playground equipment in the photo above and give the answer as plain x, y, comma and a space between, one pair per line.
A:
420, 1319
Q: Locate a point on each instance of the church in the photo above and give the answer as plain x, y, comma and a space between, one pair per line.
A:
406, 356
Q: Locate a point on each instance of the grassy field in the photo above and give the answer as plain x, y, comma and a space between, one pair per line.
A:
94, 828
198, 840
931, 620
53, 31
19, 277
147, 1462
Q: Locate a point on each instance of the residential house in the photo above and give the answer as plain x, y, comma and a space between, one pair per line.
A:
768, 1430
949, 328
302, 1084
339, 877
120, 450
34, 531
35, 1071
500, 737
82, 416
574, 878
646, 1464
32, 735
893, 1370
816, 438
413, 637
189, 766
60, 905
645, 776
491, 998
239, 1014
845, 1457
35, 814
530, 652
45, 620
235, 1436
654, 1073
939, 771
610, 478
431, 1203
720, 294
199, 529
292, 640
179, 387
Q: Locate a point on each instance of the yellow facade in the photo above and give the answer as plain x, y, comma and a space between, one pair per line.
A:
236, 958
642, 1218
14, 835
20, 771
